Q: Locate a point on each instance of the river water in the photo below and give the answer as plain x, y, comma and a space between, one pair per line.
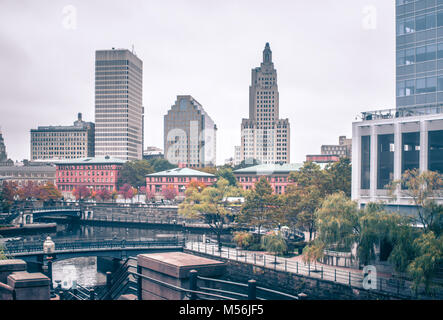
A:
84, 270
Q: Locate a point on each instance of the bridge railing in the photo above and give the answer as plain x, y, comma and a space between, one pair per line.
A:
37, 247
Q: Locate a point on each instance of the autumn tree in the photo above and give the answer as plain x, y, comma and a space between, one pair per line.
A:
169, 193
126, 191
49, 192
210, 205
81, 193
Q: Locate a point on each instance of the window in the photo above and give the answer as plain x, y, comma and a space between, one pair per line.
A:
385, 160
435, 151
365, 162
410, 151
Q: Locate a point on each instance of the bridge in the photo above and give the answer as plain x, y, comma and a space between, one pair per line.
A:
119, 249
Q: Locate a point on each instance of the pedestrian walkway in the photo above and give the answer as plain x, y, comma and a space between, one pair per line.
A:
346, 276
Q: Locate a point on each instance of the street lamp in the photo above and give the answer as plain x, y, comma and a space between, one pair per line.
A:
48, 251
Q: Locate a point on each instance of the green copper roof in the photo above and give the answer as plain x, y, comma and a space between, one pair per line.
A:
95, 160
181, 172
267, 169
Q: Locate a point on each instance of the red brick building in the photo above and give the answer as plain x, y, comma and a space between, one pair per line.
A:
178, 178
94, 173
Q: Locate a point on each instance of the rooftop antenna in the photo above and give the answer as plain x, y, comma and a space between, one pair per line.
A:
133, 52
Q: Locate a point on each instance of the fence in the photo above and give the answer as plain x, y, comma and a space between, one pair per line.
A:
399, 287
37, 247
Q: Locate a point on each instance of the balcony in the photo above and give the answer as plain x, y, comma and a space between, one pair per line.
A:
402, 112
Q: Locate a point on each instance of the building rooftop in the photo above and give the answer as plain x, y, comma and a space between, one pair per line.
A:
95, 160
181, 172
402, 112
267, 169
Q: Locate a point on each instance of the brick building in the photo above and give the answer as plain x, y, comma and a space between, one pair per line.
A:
178, 178
95, 173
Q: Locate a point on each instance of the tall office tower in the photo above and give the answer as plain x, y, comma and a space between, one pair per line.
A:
419, 53
3, 155
63, 142
118, 104
189, 135
265, 137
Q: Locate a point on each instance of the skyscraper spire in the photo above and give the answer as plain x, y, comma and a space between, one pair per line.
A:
267, 54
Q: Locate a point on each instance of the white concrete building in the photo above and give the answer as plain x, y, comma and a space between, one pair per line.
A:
389, 142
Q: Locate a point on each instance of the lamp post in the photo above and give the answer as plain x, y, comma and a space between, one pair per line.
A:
48, 251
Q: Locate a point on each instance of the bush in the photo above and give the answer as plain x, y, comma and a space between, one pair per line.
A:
243, 239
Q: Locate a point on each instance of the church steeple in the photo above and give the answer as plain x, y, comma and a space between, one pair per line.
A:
267, 54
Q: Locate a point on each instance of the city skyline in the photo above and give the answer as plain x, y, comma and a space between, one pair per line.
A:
214, 69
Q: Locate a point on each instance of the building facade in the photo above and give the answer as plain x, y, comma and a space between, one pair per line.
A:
343, 149
36, 173
386, 144
322, 158
276, 174
178, 179
153, 153
419, 41
118, 104
264, 136
63, 142
96, 173
190, 135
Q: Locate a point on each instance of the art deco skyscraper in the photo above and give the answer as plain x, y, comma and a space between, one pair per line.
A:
265, 137
118, 104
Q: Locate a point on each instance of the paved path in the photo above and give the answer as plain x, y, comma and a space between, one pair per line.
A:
346, 276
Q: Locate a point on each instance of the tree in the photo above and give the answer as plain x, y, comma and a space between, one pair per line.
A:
243, 239
339, 177
423, 188
126, 191
8, 193
428, 261
262, 208
274, 242
159, 165
28, 191
227, 173
247, 163
169, 193
49, 192
104, 194
150, 195
209, 204
305, 196
81, 193
134, 173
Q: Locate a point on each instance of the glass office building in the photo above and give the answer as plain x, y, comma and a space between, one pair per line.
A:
419, 63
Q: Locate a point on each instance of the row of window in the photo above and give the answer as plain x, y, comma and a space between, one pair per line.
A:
410, 156
419, 86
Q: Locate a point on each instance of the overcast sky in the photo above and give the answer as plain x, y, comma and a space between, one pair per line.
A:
334, 59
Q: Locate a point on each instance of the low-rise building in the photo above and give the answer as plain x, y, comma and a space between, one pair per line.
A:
38, 173
322, 158
343, 149
95, 173
277, 175
153, 153
178, 179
